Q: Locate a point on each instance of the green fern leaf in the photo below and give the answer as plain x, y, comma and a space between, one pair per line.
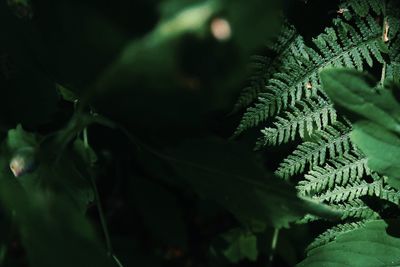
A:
340, 171
390, 194
355, 209
333, 141
263, 67
360, 8
334, 232
293, 104
393, 68
313, 114
350, 192
343, 46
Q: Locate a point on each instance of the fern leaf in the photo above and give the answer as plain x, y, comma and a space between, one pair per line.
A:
355, 209
393, 68
264, 67
390, 194
350, 192
333, 141
330, 234
340, 171
343, 46
313, 114
293, 97
360, 8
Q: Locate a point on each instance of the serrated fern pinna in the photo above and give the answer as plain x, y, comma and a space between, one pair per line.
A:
285, 97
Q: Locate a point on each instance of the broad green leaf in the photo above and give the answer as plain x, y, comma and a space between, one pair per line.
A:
381, 147
242, 245
230, 175
368, 246
354, 91
64, 172
52, 230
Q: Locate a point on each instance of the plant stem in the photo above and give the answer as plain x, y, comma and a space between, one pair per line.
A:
100, 210
101, 215
273, 244
383, 75
385, 29
117, 261
85, 138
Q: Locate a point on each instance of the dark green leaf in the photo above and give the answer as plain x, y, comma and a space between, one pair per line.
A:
53, 231
352, 90
369, 246
231, 176
382, 149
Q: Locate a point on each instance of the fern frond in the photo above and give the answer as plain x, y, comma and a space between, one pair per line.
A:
338, 172
392, 14
390, 194
332, 233
355, 209
393, 68
313, 114
342, 46
361, 8
263, 67
294, 98
350, 192
333, 141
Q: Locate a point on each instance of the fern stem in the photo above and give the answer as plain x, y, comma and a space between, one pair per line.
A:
383, 75
384, 36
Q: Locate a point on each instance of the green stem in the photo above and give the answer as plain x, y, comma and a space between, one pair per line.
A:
383, 75
384, 34
85, 138
100, 210
117, 261
273, 244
